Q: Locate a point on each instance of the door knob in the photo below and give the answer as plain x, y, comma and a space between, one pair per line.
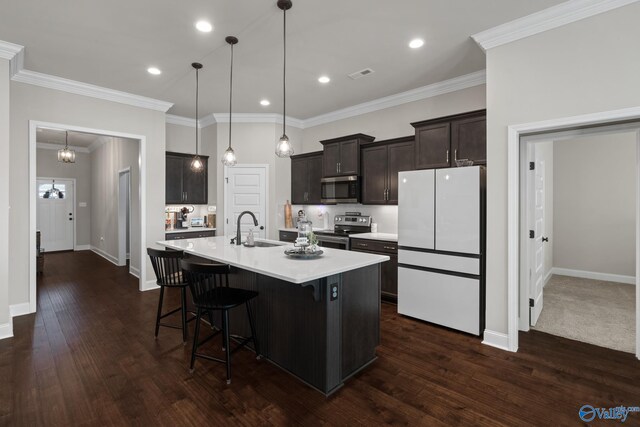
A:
545, 239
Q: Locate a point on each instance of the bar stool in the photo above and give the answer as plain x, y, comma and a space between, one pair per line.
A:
166, 265
209, 284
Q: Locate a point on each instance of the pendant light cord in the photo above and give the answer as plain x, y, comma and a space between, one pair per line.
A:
230, 94
284, 76
197, 87
66, 141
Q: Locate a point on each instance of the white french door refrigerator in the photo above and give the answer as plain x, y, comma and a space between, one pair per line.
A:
441, 240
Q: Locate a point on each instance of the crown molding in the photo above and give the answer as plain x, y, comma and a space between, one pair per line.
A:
93, 91
51, 146
544, 20
172, 119
15, 54
207, 121
457, 83
258, 118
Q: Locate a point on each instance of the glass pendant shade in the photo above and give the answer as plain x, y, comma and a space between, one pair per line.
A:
283, 147
229, 157
196, 164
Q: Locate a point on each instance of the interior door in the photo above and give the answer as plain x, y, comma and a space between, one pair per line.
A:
246, 190
536, 222
55, 214
416, 209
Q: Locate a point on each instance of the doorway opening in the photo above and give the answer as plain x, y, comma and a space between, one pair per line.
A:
578, 249
124, 216
518, 230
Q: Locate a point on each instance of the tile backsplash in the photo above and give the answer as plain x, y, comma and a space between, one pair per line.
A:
322, 215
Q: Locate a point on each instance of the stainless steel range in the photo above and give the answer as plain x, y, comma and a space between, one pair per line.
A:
344, 225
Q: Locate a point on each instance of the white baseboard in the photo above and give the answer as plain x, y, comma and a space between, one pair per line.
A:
6, 330
135, 272
82, 248
548, 277
20, 309
105, 255
150, 285
496, 339
618, 278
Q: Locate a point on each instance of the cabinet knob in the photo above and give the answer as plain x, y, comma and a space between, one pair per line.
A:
447, 156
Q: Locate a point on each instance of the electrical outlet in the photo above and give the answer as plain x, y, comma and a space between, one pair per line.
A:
334, 293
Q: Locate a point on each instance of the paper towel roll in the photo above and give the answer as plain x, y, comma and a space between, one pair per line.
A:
374, 227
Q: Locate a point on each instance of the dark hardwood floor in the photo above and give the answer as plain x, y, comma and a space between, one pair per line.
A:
88, 357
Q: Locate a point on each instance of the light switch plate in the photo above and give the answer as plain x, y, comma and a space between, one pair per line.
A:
82, 204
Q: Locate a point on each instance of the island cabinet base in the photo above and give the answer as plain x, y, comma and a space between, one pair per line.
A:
320, 336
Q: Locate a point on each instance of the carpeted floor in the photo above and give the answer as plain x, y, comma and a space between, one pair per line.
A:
592, 311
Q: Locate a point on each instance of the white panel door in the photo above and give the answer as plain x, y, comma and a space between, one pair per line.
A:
246, 190
536, 223
442, 299
458, 210
416, 209
55, 214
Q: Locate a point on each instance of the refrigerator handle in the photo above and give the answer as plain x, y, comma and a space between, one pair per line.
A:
447, 156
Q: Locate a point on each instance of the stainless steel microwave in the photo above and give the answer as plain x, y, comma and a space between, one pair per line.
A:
340, 189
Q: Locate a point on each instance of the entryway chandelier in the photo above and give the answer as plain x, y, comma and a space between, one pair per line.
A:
66, 155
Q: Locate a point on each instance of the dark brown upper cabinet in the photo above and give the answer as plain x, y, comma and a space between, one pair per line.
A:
341, 156
381, 162
306, 173
182, 185
440, 142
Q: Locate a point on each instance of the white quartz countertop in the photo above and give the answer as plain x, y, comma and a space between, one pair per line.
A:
387, 237
189, 230
272, 261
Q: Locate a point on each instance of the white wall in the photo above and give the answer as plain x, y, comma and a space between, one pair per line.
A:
584, 67
5, 327
396, 121
255, 143
107, 160
47, 165
182, 139
595, 204
30, 102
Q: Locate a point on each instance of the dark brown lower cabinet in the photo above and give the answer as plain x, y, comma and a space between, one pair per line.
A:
190, 234
288, 236
389, 269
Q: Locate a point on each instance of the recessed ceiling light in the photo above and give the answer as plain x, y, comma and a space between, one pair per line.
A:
265, 102
324, 79
416, 43
153, 70
204, 26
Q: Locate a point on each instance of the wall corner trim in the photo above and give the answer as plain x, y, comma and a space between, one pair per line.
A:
104, 255
544, 20
82, 248
6, 330
149, 286
172, 119
497, 340
86, 89
20, 309
14, 53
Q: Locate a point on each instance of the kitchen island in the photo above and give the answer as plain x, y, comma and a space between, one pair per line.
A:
318, 319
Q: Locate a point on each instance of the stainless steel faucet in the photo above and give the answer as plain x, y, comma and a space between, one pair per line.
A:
255, 222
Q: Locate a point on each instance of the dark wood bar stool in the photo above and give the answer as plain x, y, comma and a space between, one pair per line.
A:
166, 265
209, 284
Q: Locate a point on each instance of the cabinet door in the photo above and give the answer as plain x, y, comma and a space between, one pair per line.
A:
469, 140
330, 159
390, 277
314, 171
374, 175
416, 210
433, 148
349, 158
173, 180
195, 183
400, 159
299, 181
458, 210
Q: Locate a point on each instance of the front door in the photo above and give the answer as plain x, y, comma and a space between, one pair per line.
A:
55, 214
246, 190
536, 223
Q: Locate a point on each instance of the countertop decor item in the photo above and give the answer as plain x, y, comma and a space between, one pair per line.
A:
284, 148
229, 156
288, 217
196, 162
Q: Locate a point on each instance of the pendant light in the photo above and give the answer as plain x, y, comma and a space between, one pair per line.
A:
283, 147
196, 163
66, 155
229, 156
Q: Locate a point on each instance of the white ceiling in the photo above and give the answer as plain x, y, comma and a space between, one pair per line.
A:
112, 43
55, 136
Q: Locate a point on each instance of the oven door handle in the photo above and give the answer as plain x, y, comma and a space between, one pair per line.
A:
330, 239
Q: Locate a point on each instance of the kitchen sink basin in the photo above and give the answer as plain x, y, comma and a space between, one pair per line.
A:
259, 244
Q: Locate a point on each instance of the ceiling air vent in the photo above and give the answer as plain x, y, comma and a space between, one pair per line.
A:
360, 73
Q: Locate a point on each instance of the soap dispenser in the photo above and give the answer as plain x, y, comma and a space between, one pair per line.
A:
250, 239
